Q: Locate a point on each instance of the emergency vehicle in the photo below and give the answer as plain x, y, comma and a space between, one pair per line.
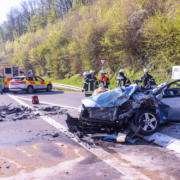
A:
8, 71
29, 83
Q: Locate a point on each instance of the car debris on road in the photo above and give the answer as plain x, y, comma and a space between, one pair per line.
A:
8, 113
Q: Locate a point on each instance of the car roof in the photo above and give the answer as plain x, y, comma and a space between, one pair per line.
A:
31, 76
18, 77
25, 76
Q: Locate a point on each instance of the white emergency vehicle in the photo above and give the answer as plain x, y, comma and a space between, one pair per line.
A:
8, 71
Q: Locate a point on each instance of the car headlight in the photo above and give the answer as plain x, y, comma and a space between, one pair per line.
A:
80, 109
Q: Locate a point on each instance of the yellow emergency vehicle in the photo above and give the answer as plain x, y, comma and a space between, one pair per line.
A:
8, 71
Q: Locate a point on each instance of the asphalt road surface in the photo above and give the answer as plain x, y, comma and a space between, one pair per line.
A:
28, 150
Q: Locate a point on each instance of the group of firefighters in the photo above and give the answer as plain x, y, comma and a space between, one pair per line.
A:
91, 83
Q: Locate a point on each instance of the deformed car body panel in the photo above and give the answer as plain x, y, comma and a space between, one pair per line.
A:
172, 111
112, 98
169, 105
117, 104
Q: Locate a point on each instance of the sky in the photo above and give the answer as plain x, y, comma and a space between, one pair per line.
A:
5, 6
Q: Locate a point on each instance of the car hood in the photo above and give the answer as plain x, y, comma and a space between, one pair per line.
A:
111, 98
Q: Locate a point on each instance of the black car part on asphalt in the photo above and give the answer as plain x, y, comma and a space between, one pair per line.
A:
22, 112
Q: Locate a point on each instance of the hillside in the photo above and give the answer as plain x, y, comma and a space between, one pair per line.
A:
61, 42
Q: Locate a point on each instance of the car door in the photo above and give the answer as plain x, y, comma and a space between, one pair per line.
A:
171, 101
32, 81
40, 83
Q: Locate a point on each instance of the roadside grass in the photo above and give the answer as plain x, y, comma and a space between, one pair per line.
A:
75, 80
160, 77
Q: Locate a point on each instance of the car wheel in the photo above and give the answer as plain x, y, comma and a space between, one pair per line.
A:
49, 87
15, 92
30, 90
5, 90
149, 122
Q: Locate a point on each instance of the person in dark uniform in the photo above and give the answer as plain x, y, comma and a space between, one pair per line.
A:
121, 79
93, 81
103, 80
146, 78
86, 83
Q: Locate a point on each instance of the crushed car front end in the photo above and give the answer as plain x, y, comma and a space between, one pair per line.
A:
116, 109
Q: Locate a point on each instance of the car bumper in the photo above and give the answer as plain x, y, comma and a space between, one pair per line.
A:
17, 89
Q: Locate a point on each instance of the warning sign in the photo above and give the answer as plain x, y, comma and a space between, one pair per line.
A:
102, 61
175, 72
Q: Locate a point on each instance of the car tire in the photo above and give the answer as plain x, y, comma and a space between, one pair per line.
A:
49, 87
15, 92
30, 90
5, 90
149, 121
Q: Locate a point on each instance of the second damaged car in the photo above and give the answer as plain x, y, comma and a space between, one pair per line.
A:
116, 109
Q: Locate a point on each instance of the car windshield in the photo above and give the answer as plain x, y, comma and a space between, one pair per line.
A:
114, 97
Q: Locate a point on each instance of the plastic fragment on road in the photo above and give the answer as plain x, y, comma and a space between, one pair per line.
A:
131, 140
121, 137
15, 117
108, 139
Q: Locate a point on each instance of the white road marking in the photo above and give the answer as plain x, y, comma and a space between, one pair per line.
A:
30, 155
77, 152
47, 173
165, 141
124, 168
34, 147
61, 145
43, 102
12, 162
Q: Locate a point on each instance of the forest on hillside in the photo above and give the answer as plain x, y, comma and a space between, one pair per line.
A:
61, 38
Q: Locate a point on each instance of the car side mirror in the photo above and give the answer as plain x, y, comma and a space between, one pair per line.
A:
159, 96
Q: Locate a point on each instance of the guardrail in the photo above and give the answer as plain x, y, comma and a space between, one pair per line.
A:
67, 86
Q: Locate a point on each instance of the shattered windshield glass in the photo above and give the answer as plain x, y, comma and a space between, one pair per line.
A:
114, 97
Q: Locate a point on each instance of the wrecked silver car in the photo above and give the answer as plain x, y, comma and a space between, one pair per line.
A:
120, 106
117, 108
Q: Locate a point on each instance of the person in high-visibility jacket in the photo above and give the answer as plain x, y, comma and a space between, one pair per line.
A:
1, 85
90, 83
103, 80
122, 79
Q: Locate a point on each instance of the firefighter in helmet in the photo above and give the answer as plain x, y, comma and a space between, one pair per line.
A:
122, 79
103, 80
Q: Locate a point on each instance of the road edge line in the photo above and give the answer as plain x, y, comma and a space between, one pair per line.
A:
164, 141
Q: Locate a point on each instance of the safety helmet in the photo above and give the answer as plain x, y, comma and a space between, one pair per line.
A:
145, 70
121, 71
102, 71
86, 73
92, 71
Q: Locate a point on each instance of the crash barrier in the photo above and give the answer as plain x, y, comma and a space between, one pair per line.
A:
67, 86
